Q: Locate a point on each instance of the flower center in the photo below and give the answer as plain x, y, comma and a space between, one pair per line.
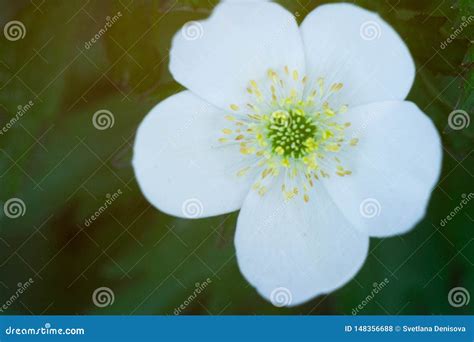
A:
291, 130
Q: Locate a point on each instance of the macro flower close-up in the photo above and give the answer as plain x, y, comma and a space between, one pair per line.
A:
258, 162
304, 129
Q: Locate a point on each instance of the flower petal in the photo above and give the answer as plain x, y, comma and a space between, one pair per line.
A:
240, 42
179, 164
345, 43
395, 166
294, 249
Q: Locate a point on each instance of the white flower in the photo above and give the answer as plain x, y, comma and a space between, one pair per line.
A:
299, 128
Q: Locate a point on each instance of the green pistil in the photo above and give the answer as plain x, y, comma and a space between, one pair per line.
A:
288, 132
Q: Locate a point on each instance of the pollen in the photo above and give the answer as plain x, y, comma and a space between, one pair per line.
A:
295, 75
336, 87
290, 130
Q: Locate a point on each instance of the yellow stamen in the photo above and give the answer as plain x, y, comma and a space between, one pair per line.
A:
336, 87
295, 75
243, 171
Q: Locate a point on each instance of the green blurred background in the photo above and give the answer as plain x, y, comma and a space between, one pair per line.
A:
62, 168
